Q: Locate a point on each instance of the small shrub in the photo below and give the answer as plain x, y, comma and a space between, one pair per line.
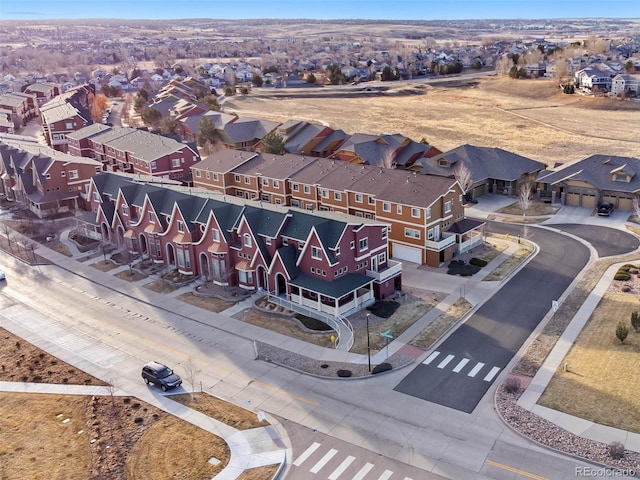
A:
626, 267
344, 373
65, 380
135, 405
633, 271
126, 400
626, 289
383, 367
635, 323
18, 345
25, 379
37, 379
621, 331
616, 450
478, 262
512, 385
138, 420
622, 276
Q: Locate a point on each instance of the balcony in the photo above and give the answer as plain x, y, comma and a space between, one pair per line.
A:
447, 240
392, 270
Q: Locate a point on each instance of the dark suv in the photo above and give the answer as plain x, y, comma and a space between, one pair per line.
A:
605, 209
160, 375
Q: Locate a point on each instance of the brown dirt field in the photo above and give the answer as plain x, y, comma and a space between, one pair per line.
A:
208, 303
226, 412
159, 286
439, 326
528, 117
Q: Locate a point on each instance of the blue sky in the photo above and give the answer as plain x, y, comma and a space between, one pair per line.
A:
318, 9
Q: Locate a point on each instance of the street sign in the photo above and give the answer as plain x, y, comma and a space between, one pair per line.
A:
387, 334
554, 305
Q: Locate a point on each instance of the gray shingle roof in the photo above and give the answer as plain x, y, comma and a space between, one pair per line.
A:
337, 288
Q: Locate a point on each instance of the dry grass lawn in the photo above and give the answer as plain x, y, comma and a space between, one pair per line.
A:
174, 449
208, 303
223, 411
515, 115
39, 446
159, 286
441, 324
535, 209
603, 382
130, 275
503, 270
104, 266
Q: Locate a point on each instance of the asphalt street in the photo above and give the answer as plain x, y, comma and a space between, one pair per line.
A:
458, 373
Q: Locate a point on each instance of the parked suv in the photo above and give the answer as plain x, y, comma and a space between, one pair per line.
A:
605, 209
161, 376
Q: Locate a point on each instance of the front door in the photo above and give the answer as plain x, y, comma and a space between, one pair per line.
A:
374, 264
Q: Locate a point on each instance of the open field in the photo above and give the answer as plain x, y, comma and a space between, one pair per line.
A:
528, 117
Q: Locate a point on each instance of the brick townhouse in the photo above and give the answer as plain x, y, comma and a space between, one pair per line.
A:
136, 151
331, 263
425, 213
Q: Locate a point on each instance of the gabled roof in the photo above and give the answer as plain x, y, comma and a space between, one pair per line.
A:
598, 170
335, 137
269, 165
336, 288
224, 160
483, 162
247, 130
373, 149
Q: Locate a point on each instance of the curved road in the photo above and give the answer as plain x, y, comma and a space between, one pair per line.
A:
464, 366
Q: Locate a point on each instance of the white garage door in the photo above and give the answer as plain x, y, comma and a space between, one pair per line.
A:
409, 254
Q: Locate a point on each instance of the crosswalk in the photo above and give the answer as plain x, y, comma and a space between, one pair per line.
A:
459, 365
331, 465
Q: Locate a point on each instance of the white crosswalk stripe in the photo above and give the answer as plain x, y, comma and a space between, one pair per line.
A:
494, 371
343, 466
431, 357
323, 461
363, 471
386, 475
461, 365
474, 371
447, 359
306, 454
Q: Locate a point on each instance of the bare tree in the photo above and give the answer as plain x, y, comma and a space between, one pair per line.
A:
463, 176
636, 207
524, 197
386, 161
503, 65
192, 372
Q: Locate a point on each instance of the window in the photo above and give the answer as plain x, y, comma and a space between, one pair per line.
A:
411, 233
372, 201
386, 207
215, 176
175, 162
363, 243
447, 207
267, 240
152, 218
199, 174
264, 197
316, 253
265, 182
276, 184
300, 246
236, 178
352, 245
307, 189
310, 206
324, 193
180, 226
337, 196
382, 258
399, 209
247, 240
153, 165
125, 210
247, 180
415, 212
337, 251
63, 174
73, 174
68, 125
181, 262
278, 201
359, 197
385, 233
215, 234
295, 203
295, 187
427, 213
431, 233
96, 197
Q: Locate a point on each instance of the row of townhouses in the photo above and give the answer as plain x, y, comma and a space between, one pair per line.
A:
425, 213
332, 264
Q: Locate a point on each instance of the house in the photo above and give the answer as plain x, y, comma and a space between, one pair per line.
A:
491, 170
593, 180
384, 151
190, 125
420, 209
302, 137
44, 92
23, 107
136, 151
62, 116
245, 133
629, 84
594, 79
328, 266
47, 181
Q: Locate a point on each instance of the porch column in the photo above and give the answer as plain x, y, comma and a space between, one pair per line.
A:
336, 307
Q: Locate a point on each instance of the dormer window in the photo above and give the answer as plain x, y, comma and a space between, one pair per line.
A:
180, 226
125, 210
247, 240
443, 163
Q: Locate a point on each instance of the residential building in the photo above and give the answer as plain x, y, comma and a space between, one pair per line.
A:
490, 170
630, 84
44, 92
245, 133
329, 265
419, 209
23, 107
47, 181
593, 180
135, 151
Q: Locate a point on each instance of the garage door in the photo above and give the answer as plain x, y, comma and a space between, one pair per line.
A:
589, 201
573, 199
625, 204
409, 254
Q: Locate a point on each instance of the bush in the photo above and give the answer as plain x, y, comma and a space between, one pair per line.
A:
138, 420
478, 262
635, 321
621, 331
512, 385
344, 373
626, 267
616, 450
383, 367
622, 276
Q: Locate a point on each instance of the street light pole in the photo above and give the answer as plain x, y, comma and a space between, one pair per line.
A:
368, 344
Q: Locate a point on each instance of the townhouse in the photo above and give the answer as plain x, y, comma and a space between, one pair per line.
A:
331, 265
424, 213
627, 84
23, 107
47, 181
44, 92
134, 151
